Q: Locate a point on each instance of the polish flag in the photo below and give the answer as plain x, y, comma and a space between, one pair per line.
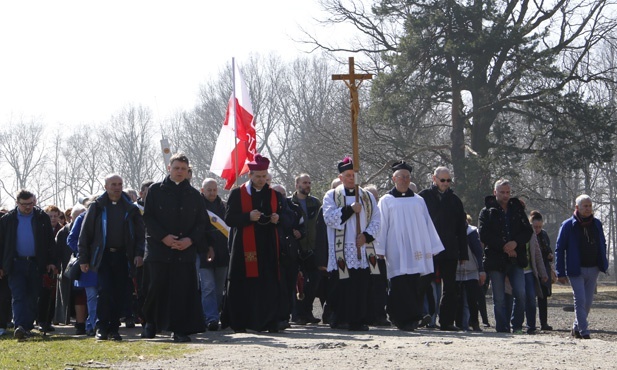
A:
232, 145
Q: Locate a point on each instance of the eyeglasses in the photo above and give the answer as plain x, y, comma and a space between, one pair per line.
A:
29, 204
444, 180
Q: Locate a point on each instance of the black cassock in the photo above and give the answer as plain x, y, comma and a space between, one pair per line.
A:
252, 302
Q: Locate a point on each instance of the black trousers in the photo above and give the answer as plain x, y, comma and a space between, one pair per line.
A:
113, 275
449, 297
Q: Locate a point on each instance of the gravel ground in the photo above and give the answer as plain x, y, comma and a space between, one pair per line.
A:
317, 346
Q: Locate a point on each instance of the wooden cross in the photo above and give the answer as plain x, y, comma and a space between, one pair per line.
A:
350, 81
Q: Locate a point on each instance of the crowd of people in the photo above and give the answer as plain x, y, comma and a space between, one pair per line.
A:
176, 259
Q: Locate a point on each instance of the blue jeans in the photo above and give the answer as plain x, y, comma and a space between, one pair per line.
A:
502, 317
92, 293
530, 302
583, 287
25, 284
211, 282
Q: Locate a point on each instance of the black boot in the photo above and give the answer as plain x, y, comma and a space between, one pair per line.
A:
80, 328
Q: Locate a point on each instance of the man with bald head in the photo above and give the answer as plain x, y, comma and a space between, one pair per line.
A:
213, 261
112, 237
450, 219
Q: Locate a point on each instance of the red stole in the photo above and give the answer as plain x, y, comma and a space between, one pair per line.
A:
249, 241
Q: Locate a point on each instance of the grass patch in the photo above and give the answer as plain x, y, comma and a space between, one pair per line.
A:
62, 352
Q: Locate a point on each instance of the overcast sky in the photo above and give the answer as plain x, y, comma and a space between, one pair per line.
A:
79, 62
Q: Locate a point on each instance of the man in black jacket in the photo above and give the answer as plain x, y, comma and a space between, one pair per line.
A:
112, 236
449, 218
505, 230
309, 206
26, 253
214, 259
176, 224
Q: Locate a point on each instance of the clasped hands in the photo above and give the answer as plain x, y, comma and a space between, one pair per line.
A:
255, 215
177, 243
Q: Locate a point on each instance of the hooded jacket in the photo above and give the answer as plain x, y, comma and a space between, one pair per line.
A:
491, 225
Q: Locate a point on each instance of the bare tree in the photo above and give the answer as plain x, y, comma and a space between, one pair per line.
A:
23, 149
129, 145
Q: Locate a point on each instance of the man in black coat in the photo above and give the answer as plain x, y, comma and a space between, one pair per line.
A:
26, 252
449, 218
176, 223
111, 238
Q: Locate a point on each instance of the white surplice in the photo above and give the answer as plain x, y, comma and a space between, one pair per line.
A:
407, 237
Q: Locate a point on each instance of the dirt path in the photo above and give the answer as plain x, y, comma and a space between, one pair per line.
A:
317, 346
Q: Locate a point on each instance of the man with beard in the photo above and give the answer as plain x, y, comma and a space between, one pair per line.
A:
253, 291
176, 223
309, 205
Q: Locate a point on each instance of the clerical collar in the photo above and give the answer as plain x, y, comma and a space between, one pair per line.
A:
397, 194
351, 191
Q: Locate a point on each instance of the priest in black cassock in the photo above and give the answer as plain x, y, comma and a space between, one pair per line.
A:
253, 291
176, 226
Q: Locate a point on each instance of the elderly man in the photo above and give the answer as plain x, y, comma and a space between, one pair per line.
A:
449, 217
26, 253
350, 249
112, 237
254, 293
214, 260
409, 241
176, 224
580, 256
505, 230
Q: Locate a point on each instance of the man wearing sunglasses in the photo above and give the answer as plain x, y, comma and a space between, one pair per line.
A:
449, 218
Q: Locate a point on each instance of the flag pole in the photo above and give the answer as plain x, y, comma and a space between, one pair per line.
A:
233, 76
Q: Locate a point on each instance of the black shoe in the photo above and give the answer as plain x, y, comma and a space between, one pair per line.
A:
313, 320
149, 331
409, 327
546, 327
486, 324
425, 321
46, 328
382, 322
213, 326
449, 328
586, 336
239, 330
90, 333
301, 321
101, 334
532, 331
129, 323
80, 328
476, 328
358, 327
181, 338
19, 334
576, 334
115, 336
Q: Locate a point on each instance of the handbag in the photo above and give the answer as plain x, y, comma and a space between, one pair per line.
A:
72, 270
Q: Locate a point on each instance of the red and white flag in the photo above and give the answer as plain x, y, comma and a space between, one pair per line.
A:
232, 145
